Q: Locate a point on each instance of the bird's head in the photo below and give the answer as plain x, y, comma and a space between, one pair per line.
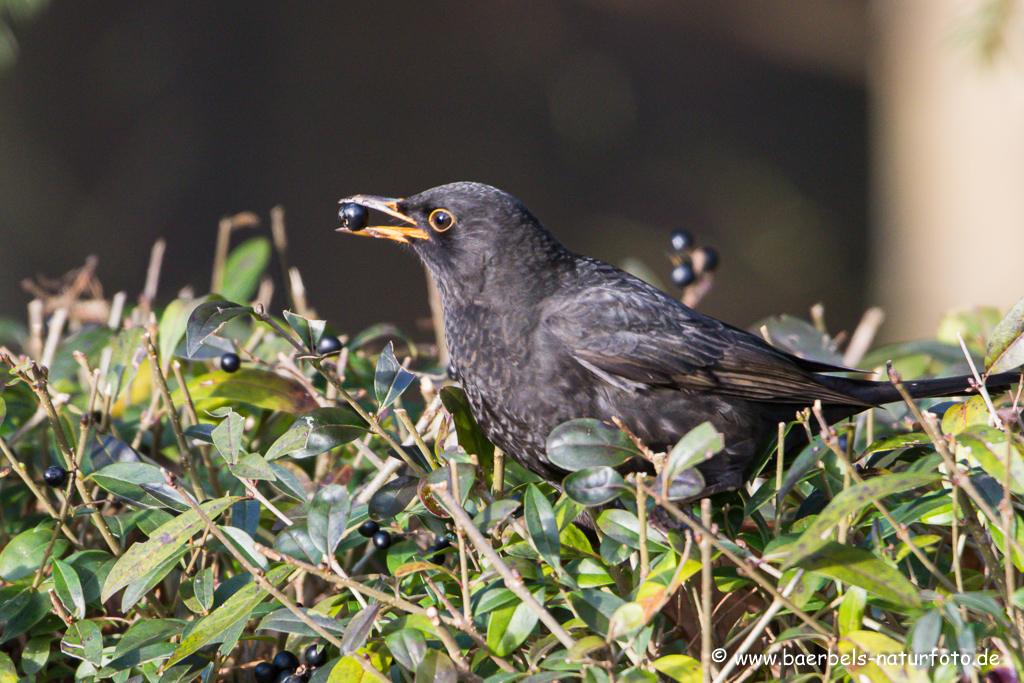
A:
460, 231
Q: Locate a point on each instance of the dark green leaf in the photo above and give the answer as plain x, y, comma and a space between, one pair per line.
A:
1006, 345
244, 268
407, 646
471, 438
596, 608
858, 567
390, 379
851, 501
24, 610
540, 522
800, 338
138, 588
287, 483
494, 514
236, 608
35, 655
295, 542
207, 318
328, 428
292, 440
699, 444
988, 445
392, 498
380, 331
309, 331
358, 629
927, 630
578, 444
594, 485
23, 554
328, 516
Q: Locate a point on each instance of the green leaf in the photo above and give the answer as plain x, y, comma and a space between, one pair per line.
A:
24, 553
135, 481
596, 608
68, 588
960, 416
1006, 345
136, 589
583, 443
390, 379
227, 436
309, 331
207, 318
510, 626
287, 483
800, 338
471, 438
3, 411
895, 441
284, 621
236, 608
328, 428
858, 567
127, 356
594, 485
988, 446
540, 522
142, 558
436, 667
927, 629
292, 440
33, 657
680, 668
244, 267
624, 527
851, 611
253, 466
407, 646
260, 388
848, 502
172, 326
22, 609
83, 640
8, 674
328, 516
699, 444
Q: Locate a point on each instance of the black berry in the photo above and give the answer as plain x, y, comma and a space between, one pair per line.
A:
369, 529
682, 275
316, 657
681, 240
453, 374
287, 677
353, 216
265, 672
440, 543
230, 362
328, 344
286, 661
55, 476
710, 258
382, 540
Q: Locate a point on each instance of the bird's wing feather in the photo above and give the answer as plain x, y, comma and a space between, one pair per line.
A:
626, 334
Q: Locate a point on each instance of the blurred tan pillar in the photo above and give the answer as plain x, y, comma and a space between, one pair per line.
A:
948, 161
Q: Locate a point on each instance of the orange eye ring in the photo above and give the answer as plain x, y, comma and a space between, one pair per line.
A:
441, 220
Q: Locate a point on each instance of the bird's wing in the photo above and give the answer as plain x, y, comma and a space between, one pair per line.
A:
635, 337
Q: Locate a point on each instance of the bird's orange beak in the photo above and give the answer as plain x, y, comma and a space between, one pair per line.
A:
398, 233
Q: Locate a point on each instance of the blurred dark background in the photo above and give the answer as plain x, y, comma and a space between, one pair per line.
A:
615, 122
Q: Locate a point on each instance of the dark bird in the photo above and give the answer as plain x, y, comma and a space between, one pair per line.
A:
539, 335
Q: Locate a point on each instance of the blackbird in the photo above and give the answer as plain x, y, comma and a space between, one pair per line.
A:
539, 335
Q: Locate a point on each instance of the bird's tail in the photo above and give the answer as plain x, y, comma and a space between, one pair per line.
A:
880, 393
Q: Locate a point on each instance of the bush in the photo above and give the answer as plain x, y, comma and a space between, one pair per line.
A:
213, 520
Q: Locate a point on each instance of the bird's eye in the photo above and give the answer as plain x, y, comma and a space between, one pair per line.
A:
441, 220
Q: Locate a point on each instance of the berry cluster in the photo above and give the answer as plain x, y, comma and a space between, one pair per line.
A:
381, 539
689, 261
285, 667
